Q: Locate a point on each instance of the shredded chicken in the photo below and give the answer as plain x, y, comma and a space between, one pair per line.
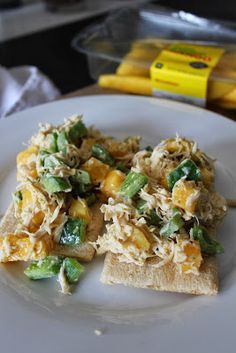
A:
179, 248
39, 202
65, 288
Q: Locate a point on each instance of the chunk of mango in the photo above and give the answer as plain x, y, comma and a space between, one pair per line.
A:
112, 183
96, 169
185, 194
26, 198
25, 158
80, 209
119, 149
139, 238
36, 222
18, 247
194, 256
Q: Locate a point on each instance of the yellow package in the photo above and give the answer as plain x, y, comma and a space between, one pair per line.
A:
181, 71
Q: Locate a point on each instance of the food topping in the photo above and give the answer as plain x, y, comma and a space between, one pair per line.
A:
62, 173
159, 203
163, 207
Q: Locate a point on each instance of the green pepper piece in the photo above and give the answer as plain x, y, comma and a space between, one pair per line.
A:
91, 199
51, 161
208, 245
17, 197
73, 232
77, 131
149, 149
81, 190
186, 168
53, 184
175, 212
141, 206
42, 155
174, 224
132, 184
81, 183
150, 215
73, 270
46, 268
153, 218
62, 141
123, 168
102, 154
52, 142
81, 176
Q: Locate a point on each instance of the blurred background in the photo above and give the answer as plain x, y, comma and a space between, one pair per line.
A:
39, 33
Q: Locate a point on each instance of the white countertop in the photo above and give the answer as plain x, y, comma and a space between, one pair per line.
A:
34, 17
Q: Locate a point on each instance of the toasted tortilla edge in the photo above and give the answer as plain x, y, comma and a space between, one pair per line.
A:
165, 278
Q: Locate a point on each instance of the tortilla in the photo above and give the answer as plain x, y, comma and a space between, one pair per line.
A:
165, 278
84, 252
9, 222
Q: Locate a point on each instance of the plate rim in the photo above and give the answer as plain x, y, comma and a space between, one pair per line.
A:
171, 104
144, 98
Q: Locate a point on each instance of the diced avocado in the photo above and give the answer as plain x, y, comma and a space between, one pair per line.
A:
46, 268
132, 184
73, 270
77, 131
74, 232
53, 184
101, 153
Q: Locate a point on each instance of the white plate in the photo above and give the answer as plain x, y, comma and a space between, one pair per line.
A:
36, 318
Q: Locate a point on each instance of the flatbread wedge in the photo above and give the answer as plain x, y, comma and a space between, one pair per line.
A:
84, 252
165, 278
